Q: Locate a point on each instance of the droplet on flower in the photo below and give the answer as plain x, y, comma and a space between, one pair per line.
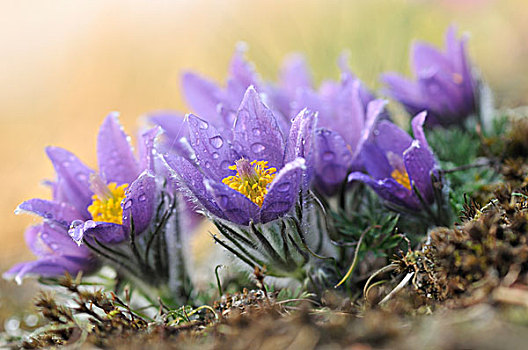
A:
284, 187
256, 132
81, 176
127, 204
257, 147
223, 200
142, 198
215, 155
216, 141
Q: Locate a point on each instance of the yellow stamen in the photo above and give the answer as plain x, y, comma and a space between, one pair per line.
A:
401, 177
252, 179
108, 208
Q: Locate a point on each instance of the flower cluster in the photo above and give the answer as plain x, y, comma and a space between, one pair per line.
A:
255, 158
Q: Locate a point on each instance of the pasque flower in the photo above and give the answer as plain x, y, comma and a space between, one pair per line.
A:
253, 176
444, 84
400, 168
91, 205
346, 111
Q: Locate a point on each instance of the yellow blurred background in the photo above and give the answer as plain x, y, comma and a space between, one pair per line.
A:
65, 64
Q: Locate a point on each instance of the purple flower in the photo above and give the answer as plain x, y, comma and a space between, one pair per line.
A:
56, 254
91, 205
400, 168
346, 111
254, 176
444, 84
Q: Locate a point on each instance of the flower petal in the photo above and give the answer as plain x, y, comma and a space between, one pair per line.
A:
257, 135
374, 113
390, 190
332, 160
375, 162
284, 191
241, 76
50, 266
390, 138
420, 163
300, 142
190, 178
406, 92
104, 232
203, 96
146, 149
59, 212
235, 206
426, 58
114, 153
212, 150
73, 179
138, 204
417, 127
45, 239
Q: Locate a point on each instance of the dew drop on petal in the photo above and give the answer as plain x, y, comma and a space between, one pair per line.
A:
256, 132
215, 155
257, 147
284, 187
81, 176
223, 200
142, 198
216, 141
127, 204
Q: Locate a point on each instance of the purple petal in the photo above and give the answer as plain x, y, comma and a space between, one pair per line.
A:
284, 191
295, 74
104, 232
390, 138
300, 142
389, 190
256, 132
349, 115
50, 266
138, 204
332, 160
73, 179
241, 76
45, 239
146, 149
375, 161
212, 151
428, 58
189, 177
203, 96
235, 206
114, 153
420, 163
406, 92
417, 127
374, 112
59, 212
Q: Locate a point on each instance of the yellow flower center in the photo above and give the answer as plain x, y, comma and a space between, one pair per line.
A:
106, 206
252, 179
401, 177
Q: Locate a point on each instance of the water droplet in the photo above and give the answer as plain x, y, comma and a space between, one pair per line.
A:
127, 204
142, 198
45, 235
256, 132
257, 147
207, 165
12, 325
31, 320
202, 124
215, 155
54, 246
284, 187
328, 156
66, 164
216, 141
223, 200
48, 215
81, 176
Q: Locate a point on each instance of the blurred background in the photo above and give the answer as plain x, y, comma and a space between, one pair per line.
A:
65, 64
